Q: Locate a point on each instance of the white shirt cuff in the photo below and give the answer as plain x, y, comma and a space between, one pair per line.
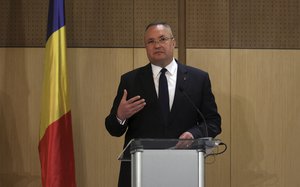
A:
120, 121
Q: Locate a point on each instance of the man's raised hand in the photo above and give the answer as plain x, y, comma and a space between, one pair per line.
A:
128, 108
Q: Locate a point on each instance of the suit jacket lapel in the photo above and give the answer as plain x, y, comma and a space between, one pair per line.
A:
181, 84
146, 81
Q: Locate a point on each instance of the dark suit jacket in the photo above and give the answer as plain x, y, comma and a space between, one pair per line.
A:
149, 123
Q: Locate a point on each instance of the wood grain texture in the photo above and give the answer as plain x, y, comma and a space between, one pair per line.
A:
265, 123
239, 24
95, 75
256, 91
217, 64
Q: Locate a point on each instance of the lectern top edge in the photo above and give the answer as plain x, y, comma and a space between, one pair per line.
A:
201, 144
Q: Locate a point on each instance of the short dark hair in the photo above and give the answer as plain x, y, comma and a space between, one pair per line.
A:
158, 23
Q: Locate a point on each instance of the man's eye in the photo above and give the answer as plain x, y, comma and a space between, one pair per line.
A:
150, 42
163, 39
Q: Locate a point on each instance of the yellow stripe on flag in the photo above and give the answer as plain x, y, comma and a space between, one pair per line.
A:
55, 101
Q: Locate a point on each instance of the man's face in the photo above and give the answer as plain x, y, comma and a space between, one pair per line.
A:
159, 44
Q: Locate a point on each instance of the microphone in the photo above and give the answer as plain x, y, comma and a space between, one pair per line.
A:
198, 111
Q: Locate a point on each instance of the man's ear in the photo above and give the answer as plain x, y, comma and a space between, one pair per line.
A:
174, 43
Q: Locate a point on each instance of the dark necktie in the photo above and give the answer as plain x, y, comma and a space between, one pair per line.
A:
163, 94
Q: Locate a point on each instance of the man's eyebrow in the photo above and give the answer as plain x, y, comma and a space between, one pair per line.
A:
161, 36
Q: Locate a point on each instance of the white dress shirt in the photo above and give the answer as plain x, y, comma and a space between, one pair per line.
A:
171, 75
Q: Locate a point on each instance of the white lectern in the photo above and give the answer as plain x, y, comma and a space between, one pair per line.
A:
168, 162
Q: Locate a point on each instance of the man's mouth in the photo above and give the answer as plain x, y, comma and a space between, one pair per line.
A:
158, 52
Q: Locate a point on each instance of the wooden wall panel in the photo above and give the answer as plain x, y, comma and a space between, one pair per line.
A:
23, 22
95, 75
217, 64
265, 120
100, 23
207, 24
256, 91
114, 23
92, 23
146, 11
265, 24
20, 96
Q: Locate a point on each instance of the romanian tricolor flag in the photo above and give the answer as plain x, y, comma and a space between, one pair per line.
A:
56, 141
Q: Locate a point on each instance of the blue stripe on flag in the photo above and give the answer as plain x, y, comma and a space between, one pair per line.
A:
56, 16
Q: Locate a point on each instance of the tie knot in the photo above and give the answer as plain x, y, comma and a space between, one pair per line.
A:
163, 70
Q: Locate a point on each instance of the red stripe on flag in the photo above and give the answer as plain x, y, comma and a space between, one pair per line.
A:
57, 154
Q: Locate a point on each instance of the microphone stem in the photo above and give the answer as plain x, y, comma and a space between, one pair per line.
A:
198, 111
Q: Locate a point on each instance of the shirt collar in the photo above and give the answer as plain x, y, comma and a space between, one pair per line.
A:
172, 67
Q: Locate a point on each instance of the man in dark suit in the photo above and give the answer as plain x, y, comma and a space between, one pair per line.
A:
139, 110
